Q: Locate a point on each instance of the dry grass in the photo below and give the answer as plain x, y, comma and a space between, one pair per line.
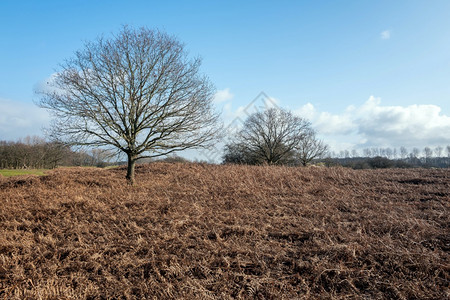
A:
222, 232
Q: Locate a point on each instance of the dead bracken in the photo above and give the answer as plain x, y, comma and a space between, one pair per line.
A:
221, 232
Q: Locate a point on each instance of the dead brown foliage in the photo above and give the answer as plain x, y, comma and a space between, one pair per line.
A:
221, 232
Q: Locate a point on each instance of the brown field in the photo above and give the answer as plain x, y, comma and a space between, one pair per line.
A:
193, 231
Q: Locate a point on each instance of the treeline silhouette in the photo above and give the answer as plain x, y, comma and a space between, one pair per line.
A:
37, 153
381, 158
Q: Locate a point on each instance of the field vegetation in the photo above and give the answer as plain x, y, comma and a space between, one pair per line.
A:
198, 231
18, 172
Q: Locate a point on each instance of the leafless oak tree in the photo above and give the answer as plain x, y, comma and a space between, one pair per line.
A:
309, 148
136, 92
270, 136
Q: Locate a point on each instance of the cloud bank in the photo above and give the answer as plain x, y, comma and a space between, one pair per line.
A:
375, 125
20, 119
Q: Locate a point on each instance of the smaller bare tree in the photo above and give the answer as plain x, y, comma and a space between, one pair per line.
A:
438, 151
428, 154
310, 148
367, 152
375, 151
403, 152
389, 153
274, 136
415, 152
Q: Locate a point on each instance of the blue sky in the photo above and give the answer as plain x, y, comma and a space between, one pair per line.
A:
366, 73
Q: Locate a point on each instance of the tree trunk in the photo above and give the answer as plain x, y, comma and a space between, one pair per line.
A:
130, 169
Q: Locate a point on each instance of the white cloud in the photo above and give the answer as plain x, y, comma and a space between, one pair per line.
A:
385, 35
223, 96
307, 111
413, 125
327, 123
375, 125
19, 119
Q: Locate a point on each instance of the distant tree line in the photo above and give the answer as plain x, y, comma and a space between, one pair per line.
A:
438, 157
37, 153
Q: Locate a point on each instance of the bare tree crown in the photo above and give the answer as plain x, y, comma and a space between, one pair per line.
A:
274, 136
137, 92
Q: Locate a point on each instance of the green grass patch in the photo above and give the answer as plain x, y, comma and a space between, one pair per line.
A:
9, 172
111, 167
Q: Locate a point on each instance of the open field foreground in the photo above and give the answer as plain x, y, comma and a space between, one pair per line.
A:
220, 232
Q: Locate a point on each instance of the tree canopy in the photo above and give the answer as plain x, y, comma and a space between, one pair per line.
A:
136, 92
274, 136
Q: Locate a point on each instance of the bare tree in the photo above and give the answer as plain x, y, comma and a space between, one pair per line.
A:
310, 148
346, 154
389, 153
270, 136
438, 151
375, 151
367, 152
403, 152
136, 92
428, 154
